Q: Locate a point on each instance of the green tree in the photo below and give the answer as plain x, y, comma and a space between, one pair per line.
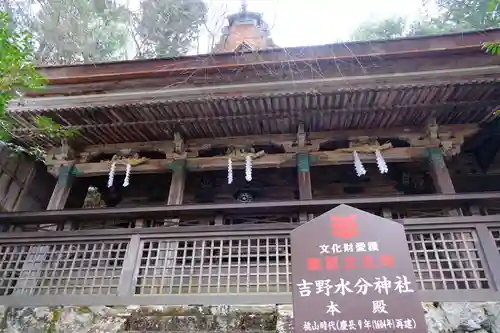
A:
384, 29
80, 31
18, 74
19, 11
468, 15
167, 28
454, 16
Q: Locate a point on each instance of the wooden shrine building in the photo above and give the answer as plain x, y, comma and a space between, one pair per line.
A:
188, 174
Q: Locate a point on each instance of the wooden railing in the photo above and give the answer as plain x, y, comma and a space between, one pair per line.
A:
455, 257
403, 208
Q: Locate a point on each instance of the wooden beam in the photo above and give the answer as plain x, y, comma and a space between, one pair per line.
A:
266, 161
198, 210
324, 85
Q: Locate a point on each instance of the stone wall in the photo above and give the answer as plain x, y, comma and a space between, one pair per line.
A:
441, 317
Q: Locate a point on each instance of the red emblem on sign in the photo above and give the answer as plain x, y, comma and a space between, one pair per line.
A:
344, 226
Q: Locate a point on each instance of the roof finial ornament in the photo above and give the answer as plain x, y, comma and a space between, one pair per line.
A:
244, 6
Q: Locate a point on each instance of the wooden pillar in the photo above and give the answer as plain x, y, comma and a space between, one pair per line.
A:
175, 197
62, 189
304, 182
440, 175
304, 176
303, 170
177, 185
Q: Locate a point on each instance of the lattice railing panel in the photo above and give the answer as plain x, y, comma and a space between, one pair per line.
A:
222, 265
495, 233
447, 260
61, 268
442, 261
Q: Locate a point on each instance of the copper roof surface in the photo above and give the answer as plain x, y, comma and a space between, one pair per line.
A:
141, 68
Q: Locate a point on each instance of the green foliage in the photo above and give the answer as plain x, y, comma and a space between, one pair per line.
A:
385, 29
80, 31
17, 71
492, 47
88, 31
18, 74
167, 28
493, 4
454, 16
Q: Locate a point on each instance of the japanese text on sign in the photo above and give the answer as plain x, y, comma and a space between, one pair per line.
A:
352, 271
380, 285
354, 325
348, 247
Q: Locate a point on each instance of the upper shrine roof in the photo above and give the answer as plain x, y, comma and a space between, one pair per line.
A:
246, 31
363, 85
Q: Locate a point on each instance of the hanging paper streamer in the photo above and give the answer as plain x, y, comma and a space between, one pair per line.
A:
229, 171
126, 181
248, 168
358, 166
382, 165
111, 175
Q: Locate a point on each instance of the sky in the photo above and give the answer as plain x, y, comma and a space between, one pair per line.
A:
313, 22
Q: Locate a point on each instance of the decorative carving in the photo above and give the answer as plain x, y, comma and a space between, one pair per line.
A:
93, 199
451, 144
448, 142
179, 146
241, 154
133, 160
365, 148
301, 136
433, 130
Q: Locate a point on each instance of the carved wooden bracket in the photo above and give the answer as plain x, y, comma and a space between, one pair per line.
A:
301, 137
365, 146
132, 160
241, 154
179, 146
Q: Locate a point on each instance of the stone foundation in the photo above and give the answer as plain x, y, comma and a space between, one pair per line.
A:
441, 317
